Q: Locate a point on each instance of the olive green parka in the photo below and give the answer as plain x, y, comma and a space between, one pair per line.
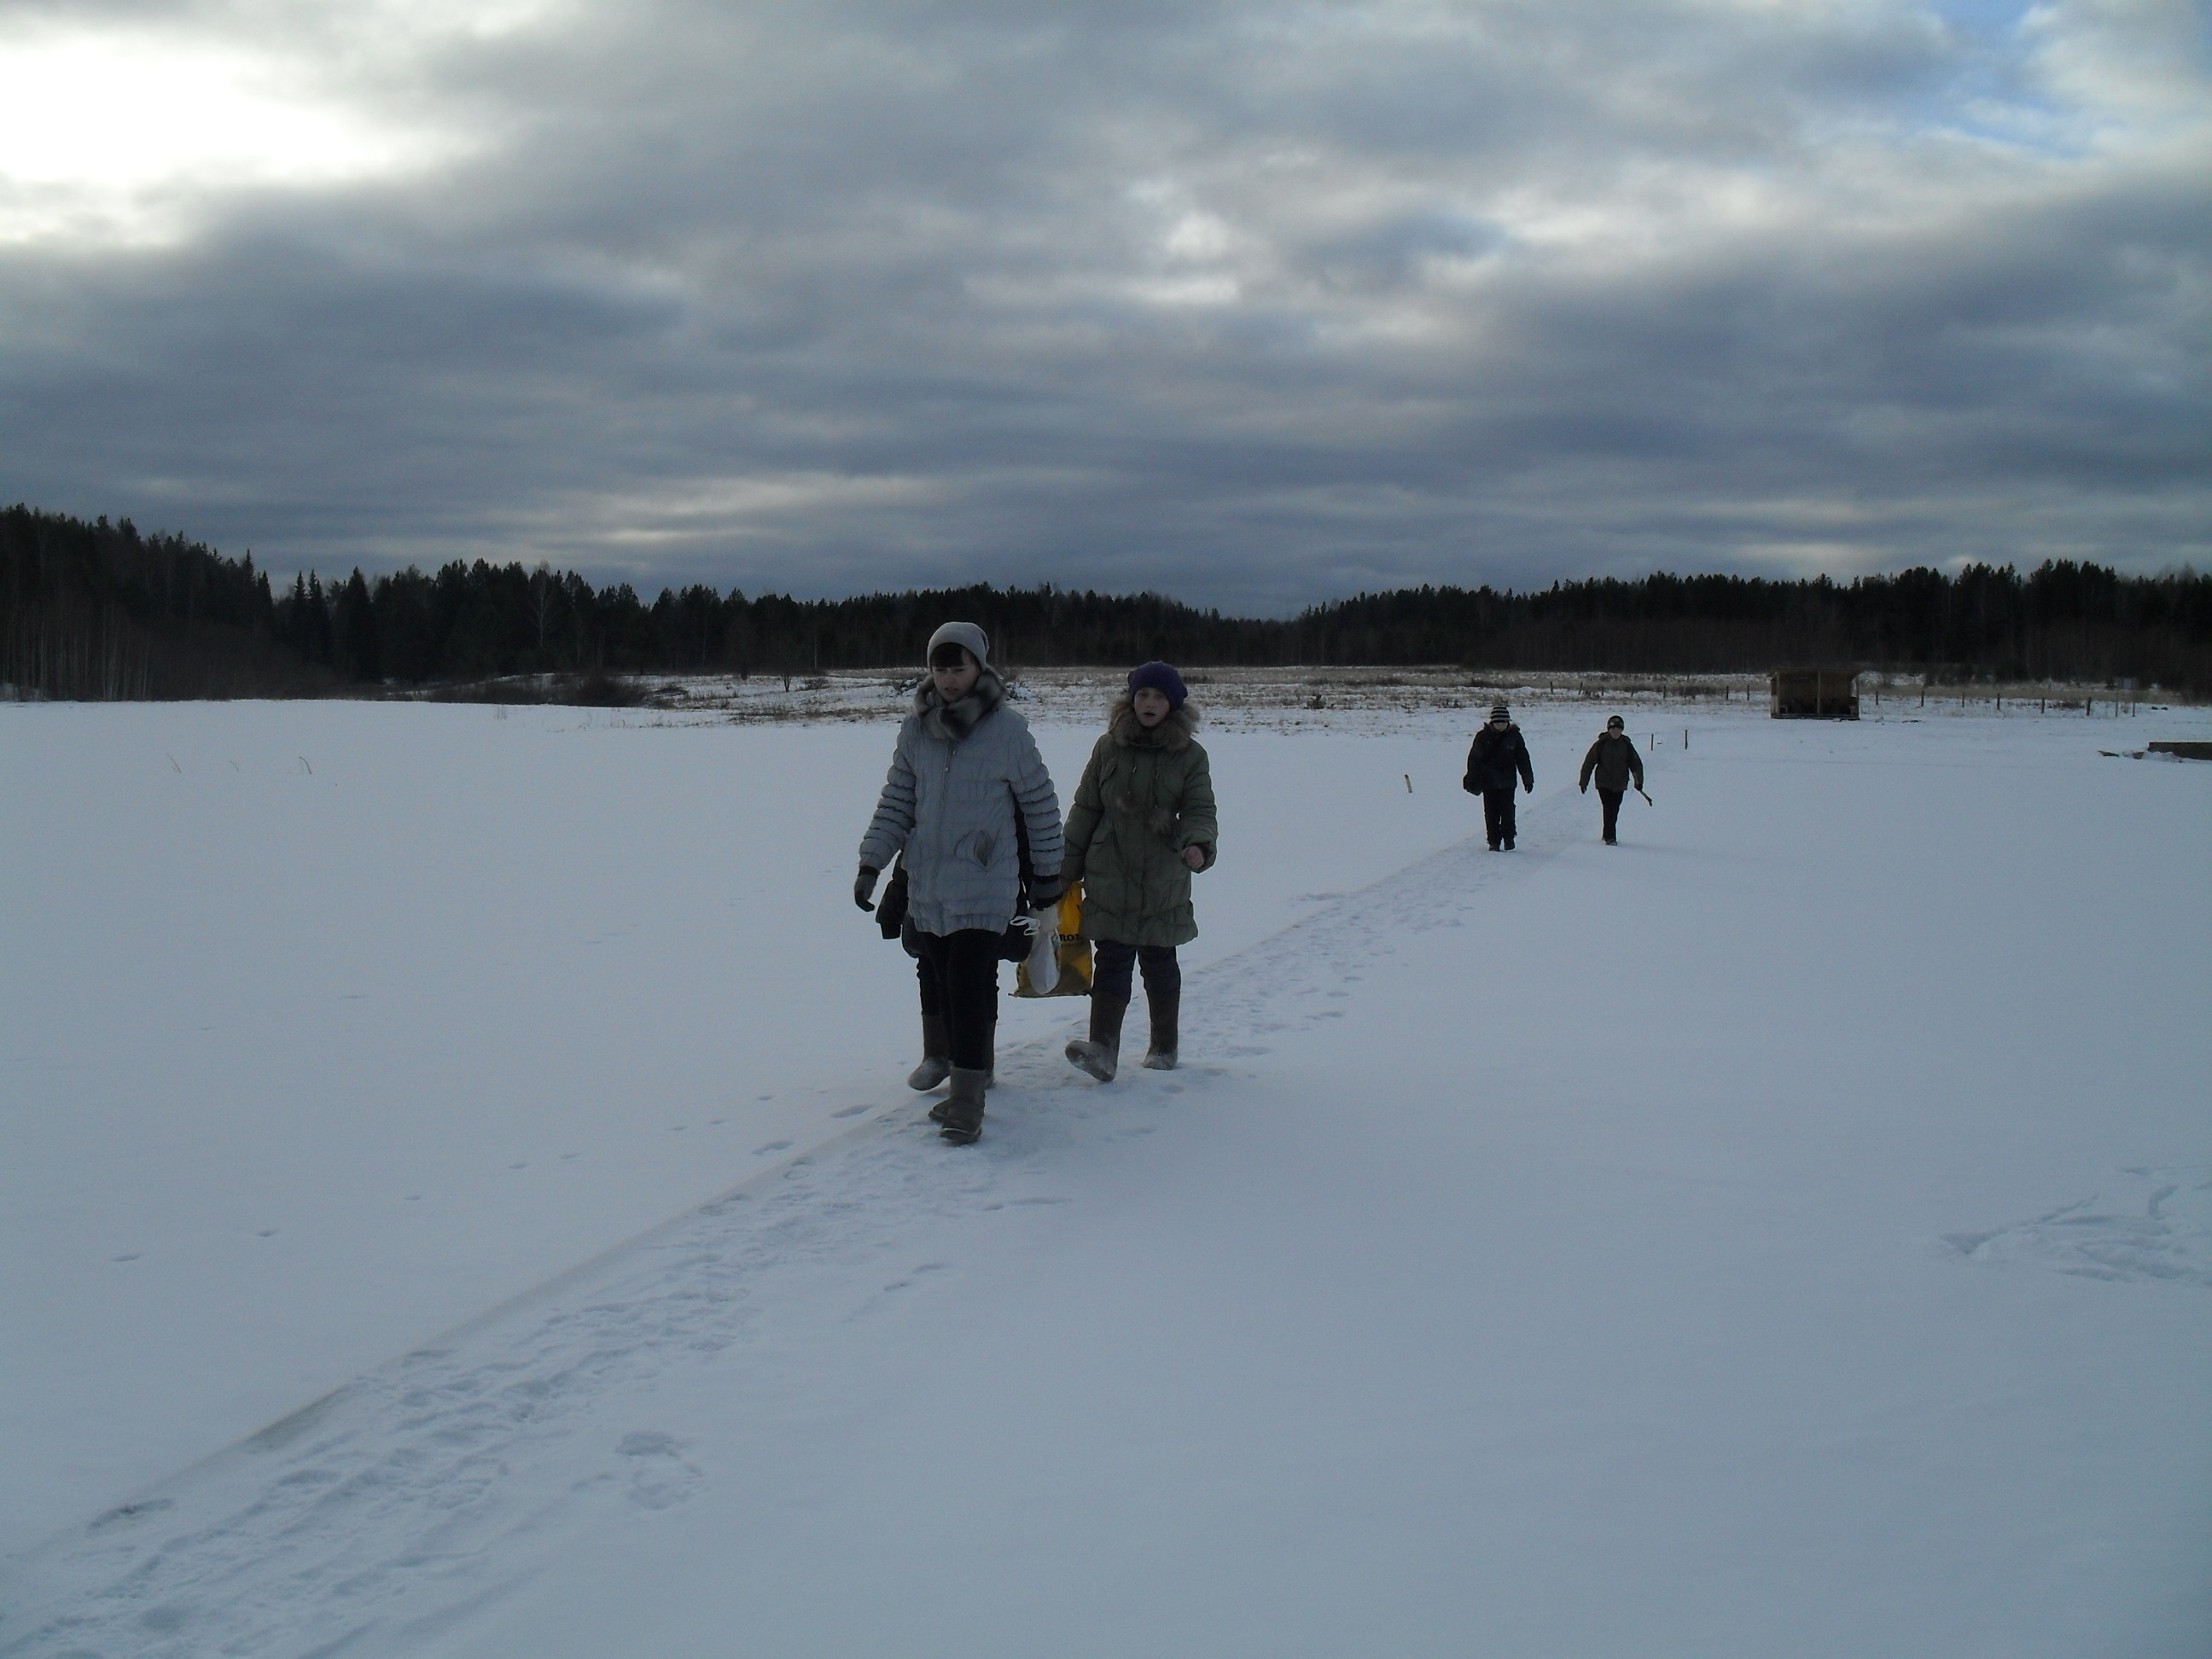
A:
1144, 796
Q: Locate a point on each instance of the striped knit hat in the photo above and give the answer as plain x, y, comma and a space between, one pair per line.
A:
1497, 712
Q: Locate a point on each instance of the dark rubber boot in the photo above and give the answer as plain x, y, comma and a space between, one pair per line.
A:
1167, 1014
962, 1114
1101, 1055
936, 1056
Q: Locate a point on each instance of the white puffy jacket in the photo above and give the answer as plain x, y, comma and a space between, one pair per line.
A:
950, 803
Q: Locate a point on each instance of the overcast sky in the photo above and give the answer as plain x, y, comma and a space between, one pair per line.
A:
1252, 304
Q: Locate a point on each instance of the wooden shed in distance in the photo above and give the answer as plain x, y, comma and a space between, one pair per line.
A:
1812, 694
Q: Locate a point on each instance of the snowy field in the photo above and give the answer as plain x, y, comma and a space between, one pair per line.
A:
457, 1198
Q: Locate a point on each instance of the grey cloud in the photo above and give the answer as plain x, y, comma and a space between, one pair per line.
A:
1254, 304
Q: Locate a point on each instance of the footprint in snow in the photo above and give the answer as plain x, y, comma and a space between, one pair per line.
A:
925, 1267
2147, 1224
663, 1478
132, 1511
849, 1111
773, 1146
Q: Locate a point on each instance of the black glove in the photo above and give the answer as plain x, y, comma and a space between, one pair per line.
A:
863, 884
1046, 889
1586, 789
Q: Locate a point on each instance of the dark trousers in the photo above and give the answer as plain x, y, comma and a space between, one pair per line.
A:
959, 975
1497, 814
1610, 798
1111, 960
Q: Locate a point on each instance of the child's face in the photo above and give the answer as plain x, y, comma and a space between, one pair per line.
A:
1151, 706
956, 681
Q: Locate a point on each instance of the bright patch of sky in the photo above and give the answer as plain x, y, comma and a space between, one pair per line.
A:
2056, 82
115, 138
124, 130
1991, 17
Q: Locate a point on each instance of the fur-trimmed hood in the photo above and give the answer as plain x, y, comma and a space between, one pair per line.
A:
954, 720
1146, 800
1172, 734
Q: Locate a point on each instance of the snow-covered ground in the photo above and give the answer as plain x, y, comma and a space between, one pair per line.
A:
457, 1198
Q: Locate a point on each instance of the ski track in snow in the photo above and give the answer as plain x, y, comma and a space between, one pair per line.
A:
354, 1517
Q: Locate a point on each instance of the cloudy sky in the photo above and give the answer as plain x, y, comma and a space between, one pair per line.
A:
1255, 304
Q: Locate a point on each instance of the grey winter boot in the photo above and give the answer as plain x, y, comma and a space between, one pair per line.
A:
1167, 1012
936, 1050
962, 1113
1101, 1055
990, 1076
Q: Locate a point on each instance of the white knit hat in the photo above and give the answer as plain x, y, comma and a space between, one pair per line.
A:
965, 634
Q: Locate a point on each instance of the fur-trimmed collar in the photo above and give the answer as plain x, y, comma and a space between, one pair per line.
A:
1172, 734
954, 720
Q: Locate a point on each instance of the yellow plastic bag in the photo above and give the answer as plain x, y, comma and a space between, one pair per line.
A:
1071, 952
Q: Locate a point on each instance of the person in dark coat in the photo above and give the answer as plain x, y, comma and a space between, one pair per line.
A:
1143, 823
1613, 760
1496, 757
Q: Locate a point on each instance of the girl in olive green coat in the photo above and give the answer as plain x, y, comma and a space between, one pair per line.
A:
1142, 824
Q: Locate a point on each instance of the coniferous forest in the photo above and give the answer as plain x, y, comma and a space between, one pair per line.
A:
103, 611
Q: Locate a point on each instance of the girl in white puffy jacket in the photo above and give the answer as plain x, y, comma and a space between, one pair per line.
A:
964, 766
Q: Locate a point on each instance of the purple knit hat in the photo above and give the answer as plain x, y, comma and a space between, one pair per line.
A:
1161, 678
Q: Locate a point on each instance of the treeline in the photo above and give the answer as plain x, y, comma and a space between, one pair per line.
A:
2061, 621
95, 611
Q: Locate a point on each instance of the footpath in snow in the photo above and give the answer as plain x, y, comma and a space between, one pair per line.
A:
1790, 1232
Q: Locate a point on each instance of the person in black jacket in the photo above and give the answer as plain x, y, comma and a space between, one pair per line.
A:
1614, 758
1497, 755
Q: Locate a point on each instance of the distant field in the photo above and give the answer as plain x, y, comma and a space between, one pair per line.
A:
1282, 698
